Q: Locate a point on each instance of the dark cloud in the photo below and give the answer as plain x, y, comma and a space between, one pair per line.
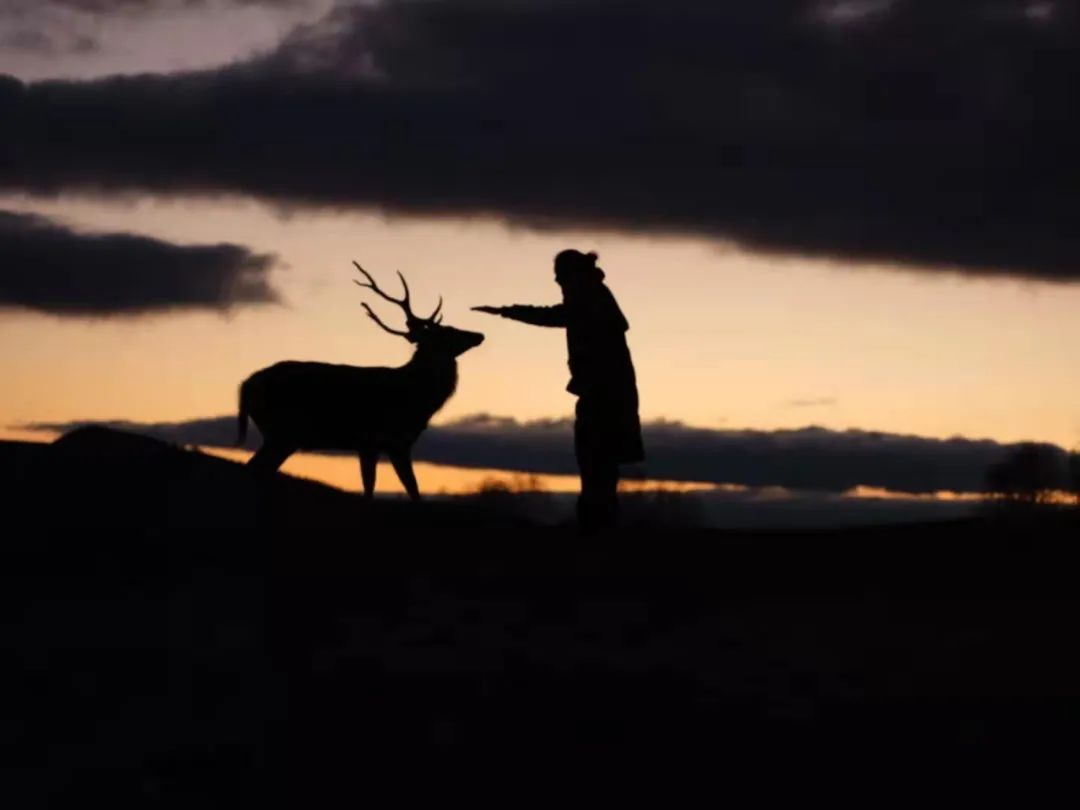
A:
49, 44
55, 27
930, 134
147, 6
810, 459
46, 42
48, 267
805, 459
27, 39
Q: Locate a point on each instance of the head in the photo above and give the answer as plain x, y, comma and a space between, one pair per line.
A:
427, 334
574, 269
435, 338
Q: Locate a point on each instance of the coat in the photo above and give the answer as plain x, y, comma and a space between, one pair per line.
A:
601, 370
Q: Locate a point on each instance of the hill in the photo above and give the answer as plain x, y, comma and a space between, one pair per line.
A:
310, 644
100, 477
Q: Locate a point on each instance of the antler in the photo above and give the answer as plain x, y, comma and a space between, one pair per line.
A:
374, 317
434, 317
371, 285
404, 303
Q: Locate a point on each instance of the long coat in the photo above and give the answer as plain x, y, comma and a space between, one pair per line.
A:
601, 371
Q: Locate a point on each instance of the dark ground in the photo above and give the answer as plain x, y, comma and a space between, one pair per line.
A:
325, 648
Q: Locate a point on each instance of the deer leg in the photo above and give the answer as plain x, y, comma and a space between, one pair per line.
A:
369, 461
401, 458
269, 457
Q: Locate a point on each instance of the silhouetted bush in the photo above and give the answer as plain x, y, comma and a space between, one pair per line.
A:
1036, 484
521, 496
662, 508
524, 496
1032, 474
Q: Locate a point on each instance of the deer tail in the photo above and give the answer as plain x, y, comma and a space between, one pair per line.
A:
242, 417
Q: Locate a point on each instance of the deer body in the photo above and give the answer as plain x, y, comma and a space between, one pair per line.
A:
371, 410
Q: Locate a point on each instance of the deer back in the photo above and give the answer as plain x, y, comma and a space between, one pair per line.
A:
327, 406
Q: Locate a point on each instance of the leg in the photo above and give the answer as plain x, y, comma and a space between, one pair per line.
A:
269, 457
598, 504
401, 458
586, 502
583, 454
369, 461
264, 464
607, 495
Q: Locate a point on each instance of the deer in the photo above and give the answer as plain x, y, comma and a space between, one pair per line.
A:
370, 410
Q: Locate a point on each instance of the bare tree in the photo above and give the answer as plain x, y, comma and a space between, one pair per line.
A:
1030, 474
369, 410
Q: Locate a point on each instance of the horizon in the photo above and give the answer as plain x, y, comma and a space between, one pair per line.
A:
339, 470
548, 500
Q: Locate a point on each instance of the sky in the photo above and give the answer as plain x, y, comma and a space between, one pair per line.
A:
851, 216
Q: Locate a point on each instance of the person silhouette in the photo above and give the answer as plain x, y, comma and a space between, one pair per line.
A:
607, 428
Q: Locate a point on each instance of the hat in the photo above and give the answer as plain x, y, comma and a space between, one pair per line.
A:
574, 262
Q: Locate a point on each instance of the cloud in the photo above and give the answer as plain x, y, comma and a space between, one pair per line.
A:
27, 40
818, 402
47, 267
808, 459
58, 27
925, 134
48, 44
26, 7
45, 40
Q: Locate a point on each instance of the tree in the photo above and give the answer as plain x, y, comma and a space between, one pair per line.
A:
1032, 474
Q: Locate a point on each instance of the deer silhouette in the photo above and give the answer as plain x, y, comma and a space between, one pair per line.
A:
367, 409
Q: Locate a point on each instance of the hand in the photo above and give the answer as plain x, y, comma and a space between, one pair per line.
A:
489, 310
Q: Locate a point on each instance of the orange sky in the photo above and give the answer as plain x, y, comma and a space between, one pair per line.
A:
720, 338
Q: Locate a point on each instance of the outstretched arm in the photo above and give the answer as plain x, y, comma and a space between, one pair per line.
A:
537, 316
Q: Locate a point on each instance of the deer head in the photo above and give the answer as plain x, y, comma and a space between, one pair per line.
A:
429, 335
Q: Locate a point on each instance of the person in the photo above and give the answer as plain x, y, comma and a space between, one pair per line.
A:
607, 428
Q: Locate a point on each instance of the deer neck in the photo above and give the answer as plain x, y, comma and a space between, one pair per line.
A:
435, 378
